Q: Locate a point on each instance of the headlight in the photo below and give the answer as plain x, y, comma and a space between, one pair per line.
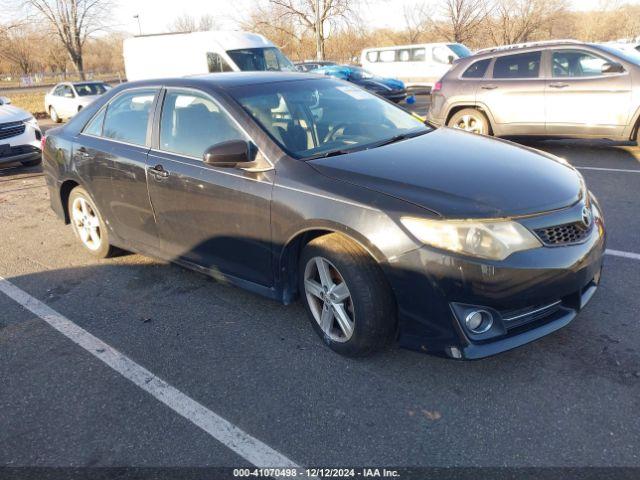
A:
31, 121
495, 240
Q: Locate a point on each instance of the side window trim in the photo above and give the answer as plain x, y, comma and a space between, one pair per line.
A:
157, 118
150, 120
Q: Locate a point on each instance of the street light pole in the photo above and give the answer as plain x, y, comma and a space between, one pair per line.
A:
137, 17
319, 53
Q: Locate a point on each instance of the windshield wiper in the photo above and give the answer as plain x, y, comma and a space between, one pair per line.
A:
331, 153
397, 138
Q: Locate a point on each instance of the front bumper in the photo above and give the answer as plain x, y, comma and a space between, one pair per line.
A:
530, 294
21, 148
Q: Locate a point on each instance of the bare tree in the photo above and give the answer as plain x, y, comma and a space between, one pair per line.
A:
188, 23
315, 15
462, 18
417, 18
517, 21
73, 21
16, 48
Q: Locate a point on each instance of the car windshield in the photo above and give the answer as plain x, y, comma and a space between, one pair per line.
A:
322, 117
259, 59
627, 55
360, 73
87, 89
460, 50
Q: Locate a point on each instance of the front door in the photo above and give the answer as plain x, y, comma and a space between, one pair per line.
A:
217, 218
513, 93
581, 100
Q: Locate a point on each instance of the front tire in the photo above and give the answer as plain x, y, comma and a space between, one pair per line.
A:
88, 224
470, 120
346, 295
54, 115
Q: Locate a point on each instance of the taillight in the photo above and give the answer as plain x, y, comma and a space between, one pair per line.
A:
437, 87
43, 142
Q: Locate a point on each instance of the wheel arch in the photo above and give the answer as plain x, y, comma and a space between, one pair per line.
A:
289, 255
478, 106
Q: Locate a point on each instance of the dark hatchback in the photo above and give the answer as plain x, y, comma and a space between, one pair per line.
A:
298, 186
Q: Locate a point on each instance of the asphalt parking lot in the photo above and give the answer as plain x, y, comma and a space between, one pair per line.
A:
570, 399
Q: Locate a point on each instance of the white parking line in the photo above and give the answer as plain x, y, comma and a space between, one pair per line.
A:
248, 447
624, 170
620, 253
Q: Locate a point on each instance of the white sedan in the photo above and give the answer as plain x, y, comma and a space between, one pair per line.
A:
66, 99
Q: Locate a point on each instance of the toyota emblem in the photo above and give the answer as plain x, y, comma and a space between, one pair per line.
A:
586, 217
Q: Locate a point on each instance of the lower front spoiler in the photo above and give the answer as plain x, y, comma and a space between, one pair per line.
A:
562, 317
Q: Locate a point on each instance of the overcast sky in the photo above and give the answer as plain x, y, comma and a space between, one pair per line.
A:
155, 15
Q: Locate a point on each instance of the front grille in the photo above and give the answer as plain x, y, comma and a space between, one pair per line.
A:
11, 129
567, 234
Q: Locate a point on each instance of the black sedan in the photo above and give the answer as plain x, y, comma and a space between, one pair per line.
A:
293, 185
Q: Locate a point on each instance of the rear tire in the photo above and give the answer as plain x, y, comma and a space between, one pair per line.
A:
88, 224
470, 120
54, 115
350, 305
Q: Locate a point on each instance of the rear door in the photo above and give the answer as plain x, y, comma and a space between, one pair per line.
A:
127, 129
513, 92
213, 217
581, 100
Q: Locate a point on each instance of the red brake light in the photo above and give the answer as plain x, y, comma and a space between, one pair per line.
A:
43, 142
437, 87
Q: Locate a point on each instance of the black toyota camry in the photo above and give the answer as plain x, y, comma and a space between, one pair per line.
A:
297, 186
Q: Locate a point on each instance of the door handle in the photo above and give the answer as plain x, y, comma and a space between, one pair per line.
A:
159, 171
558, 85
489, 87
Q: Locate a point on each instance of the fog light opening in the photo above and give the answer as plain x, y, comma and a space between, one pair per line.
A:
478, 321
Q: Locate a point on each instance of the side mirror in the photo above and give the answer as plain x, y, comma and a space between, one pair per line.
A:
451, 58
234, 153
612, 67
5, 101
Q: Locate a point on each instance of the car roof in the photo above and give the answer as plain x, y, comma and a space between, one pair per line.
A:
226, 79
523, 47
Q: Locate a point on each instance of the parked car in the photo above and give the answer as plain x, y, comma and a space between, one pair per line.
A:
20, 135
557, 89
308, 66
389, 88
290, 184
68, 98
419, 66
180, 54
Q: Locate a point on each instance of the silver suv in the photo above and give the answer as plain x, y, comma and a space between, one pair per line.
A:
561, 89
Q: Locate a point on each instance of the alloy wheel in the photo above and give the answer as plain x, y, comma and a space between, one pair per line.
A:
329, 299
469, 123
86, 223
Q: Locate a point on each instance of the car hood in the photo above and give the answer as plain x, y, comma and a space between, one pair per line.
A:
9, 113
461, 175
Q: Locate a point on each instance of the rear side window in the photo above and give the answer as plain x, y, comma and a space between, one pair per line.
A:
94, 127
477, 69
127, 117
372, 56
216, 63
523, 65
404, 55
418, 55
191, 122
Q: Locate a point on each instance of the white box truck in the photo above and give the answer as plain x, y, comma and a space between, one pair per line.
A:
179, 54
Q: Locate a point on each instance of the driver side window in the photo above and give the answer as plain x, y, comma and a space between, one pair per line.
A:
191, 122
574, 63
